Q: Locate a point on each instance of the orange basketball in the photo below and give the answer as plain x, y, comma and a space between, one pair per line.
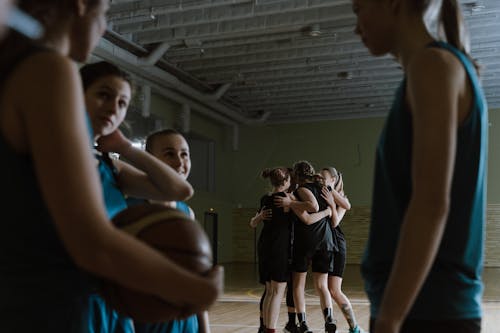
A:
174, 234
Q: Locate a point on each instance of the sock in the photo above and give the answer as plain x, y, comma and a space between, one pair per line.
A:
302, 317
270, 330
328, 314
291, 317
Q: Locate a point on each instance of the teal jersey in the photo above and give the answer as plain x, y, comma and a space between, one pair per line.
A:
453, 288
188, 325
113, 197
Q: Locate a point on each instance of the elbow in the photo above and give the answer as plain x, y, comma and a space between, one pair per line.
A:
188, 191
183, 192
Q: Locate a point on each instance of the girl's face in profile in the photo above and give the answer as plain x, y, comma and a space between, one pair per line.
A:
329, 179
375, 25
87, 29
107, 100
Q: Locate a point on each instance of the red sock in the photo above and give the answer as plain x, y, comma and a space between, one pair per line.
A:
270, 330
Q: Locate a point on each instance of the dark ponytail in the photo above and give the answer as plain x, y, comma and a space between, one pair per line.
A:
454, 28
278, 176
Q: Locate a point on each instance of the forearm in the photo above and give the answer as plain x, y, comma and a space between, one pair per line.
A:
420, 237
311, 218
335, 218
306, 206
254, 221
341, 200
165, 179
115, 253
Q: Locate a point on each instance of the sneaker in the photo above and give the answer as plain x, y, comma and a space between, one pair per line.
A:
290, 328
303, 328
330, 327
356, 329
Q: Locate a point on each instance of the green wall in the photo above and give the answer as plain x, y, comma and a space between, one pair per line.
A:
349, 145
494, 158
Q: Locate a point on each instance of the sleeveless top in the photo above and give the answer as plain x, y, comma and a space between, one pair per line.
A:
188, 325
453, 286
38, 278
314, 237
102, 318
112, 195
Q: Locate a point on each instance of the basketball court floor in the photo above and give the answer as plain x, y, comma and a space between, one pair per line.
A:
237, 311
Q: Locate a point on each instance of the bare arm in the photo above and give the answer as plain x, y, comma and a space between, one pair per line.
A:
307, 201
263, 214
144, 176
329, 198
341, 200
70, 185
311, 218
433, 96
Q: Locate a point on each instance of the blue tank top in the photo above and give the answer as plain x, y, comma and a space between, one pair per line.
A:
101, 317
113, 197
453, 287
188, 325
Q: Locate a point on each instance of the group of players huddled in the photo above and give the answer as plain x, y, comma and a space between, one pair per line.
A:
301, 228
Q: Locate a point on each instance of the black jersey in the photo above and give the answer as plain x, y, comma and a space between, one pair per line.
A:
317, 236
40, 284
274, 241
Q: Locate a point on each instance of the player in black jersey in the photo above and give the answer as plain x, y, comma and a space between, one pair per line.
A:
339, 203
273, 245
313, 242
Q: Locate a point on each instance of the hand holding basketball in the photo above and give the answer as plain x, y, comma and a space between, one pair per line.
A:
180, 239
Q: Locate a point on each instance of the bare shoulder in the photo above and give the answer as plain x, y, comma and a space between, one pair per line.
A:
433, 62
47, 62
45, 71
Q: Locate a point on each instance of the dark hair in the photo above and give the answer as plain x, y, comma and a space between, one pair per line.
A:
48, 12
93, 72
150, 140
303, 171
451, 23
277, 176
318, 179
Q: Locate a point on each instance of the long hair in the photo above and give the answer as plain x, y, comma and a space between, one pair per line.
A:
450, 22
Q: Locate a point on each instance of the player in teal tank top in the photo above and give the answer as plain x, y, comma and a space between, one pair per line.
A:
107, 95
423, 260
172, 149
56, 231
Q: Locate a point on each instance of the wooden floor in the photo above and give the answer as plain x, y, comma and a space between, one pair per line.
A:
237, 311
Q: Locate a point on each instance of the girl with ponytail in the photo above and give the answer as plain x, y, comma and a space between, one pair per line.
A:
424, 256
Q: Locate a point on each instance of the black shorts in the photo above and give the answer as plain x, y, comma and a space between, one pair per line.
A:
264, 273
337, 266
437, 326
320, 262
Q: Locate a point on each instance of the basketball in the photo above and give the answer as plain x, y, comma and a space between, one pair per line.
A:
174, 234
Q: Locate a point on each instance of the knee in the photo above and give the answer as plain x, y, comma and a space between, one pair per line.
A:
321, 286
